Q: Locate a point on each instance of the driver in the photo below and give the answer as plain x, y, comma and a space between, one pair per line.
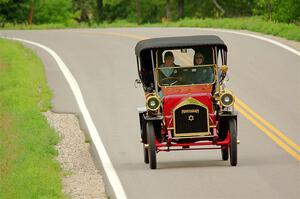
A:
168, 62
168, 71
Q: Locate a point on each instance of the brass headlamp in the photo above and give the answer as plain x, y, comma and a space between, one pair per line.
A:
226, 98
152, 102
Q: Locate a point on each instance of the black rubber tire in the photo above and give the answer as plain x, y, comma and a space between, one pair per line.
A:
233, 142
151, 147
224, 154
146, 155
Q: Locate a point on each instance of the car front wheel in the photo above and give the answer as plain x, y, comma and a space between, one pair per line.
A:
151, 145
233, 142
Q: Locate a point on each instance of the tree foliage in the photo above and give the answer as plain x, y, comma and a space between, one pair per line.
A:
43, 11
14, 11
52, 11
278, 10
83, 10
143, 11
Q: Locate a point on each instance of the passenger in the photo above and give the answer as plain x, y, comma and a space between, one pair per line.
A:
204, 75
198, 59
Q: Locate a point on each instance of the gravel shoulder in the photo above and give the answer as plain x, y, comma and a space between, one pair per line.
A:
81, 177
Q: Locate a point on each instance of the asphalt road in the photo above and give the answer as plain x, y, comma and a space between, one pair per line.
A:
263, 75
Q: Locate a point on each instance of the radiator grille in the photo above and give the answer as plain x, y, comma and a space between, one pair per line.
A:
191, 119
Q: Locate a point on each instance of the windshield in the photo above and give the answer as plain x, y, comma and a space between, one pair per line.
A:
174, 76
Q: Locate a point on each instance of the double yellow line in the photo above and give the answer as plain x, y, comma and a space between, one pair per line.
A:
274, 134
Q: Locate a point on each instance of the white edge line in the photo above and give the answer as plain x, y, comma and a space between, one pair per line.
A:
102, 153
296, 52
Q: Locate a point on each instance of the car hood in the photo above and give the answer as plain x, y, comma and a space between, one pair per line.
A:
171, 101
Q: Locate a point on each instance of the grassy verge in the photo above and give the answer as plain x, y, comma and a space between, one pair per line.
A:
256, 24
27, 165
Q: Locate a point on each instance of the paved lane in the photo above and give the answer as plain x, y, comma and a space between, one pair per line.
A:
261, 74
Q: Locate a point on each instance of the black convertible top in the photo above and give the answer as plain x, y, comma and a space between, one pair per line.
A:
179, 42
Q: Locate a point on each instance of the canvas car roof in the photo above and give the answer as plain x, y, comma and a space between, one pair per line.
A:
179, 42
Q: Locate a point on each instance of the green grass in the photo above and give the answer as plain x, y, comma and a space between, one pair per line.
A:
27, 155
256, 24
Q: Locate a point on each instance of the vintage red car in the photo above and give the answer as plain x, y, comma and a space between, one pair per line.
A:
188, 106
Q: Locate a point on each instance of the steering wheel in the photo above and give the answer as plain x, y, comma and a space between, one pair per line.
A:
170, 81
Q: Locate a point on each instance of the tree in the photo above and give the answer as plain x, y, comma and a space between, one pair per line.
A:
100, 9
14, 11
180, 9
266, 7
219, 7
53, 11
119, 9
85, 9
31, 9
287, 11
138, 11
168, 10
234, 8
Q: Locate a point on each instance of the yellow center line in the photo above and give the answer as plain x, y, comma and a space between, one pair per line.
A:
118, 34
267, 124
268, 133
241, 107
124, 35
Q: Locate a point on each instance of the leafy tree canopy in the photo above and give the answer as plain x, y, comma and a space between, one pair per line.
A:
143, 11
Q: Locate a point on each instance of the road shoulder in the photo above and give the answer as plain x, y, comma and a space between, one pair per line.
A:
82, 179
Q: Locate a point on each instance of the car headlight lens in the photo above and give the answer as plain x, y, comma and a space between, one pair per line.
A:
227, 99
153, 103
